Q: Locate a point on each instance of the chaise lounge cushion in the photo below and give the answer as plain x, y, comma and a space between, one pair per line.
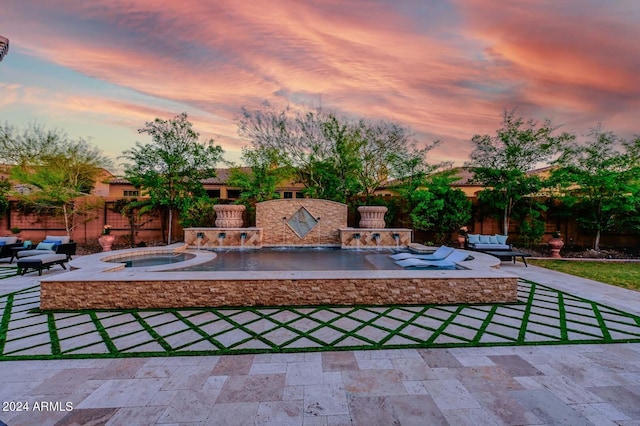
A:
64, 239
34, 252
8, 240
41, 261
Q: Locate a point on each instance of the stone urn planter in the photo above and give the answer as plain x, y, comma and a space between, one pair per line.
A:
106, 241
229, 215
372, 216
555, 244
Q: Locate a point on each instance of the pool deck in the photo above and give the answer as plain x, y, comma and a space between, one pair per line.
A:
583, 384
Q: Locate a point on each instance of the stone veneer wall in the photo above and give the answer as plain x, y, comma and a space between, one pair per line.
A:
71, 295
233, 237
269, 217
367, 240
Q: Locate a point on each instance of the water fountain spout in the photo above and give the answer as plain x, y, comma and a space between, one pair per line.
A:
199, 238
396, 237
221, 237
376, 237
243, 237
357, 238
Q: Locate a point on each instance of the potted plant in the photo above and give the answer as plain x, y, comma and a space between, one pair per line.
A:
106, 239
462, 236
16, 231
556, 243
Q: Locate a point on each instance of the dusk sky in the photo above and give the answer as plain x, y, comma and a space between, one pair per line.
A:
446, 68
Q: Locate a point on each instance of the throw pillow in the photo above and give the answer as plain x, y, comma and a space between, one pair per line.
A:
484, 239
493, 239
474, 238
26, 244
54, 242
2, 243
45, 246
502, 239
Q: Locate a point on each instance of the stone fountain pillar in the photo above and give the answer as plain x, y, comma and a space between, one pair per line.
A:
372, 216
229, 215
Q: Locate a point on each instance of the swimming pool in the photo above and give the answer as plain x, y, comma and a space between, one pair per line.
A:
139, 261
96, 284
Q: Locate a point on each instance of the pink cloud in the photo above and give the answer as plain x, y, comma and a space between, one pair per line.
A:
447, 80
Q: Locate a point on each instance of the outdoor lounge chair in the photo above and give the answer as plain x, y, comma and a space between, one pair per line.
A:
51, 245
38, 263
441, 253
448, 263
6, 243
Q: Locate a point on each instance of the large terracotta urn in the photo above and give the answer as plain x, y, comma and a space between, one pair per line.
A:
556, 244
229, 215
106, 241
372, 216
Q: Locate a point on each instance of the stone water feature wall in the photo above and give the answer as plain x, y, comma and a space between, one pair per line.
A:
357, 238
301, 222
208, 238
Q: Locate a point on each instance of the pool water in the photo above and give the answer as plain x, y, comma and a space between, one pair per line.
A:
152, 260
298, 259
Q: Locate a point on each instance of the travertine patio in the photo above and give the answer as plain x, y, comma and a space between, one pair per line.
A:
548, 384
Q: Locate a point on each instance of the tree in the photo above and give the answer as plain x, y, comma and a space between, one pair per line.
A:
56, 170
267, 169
336, 157
5, 188
600, 181
170, 169
503, 163
438, 207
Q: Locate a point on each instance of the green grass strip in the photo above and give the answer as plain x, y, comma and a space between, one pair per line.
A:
4, 323
198, 330
103, 333
157, 337
564, 334
527, 313
603, 326
53, 334
444, 325
485, 324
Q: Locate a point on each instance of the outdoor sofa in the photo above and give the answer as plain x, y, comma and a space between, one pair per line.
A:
488, 242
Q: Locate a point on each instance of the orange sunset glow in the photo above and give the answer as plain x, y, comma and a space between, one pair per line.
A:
447, 69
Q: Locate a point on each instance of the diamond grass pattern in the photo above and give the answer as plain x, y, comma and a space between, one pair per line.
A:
543, 316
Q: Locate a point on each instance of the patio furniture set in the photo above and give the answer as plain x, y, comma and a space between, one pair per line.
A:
53, 250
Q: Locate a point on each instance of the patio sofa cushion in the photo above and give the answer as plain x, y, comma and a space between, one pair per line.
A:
40, 262
8, 240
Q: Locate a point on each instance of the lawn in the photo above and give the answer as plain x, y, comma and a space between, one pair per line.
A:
621, 274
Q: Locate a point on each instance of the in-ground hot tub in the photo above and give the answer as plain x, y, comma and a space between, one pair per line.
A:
100, 285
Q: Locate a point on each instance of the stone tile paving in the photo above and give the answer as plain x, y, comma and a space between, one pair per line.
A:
543, 316
467, 381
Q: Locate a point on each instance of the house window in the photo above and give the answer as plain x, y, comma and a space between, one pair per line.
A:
233, 193
130, 193
287, 194
213, 193
299, 194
